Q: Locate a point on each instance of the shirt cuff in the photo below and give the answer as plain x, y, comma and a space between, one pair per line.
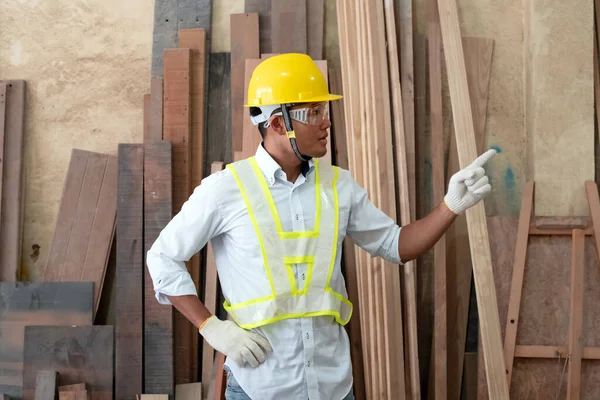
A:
180, 285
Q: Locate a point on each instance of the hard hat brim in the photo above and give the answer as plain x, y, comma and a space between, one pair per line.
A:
317, 99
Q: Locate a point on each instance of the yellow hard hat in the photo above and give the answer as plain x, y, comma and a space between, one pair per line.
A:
286, 79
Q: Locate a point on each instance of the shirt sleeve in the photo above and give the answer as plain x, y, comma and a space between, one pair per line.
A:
371, 229
185, 235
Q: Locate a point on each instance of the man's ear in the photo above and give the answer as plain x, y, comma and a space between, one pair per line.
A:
278, 125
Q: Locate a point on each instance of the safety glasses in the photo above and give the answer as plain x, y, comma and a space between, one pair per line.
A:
314, 115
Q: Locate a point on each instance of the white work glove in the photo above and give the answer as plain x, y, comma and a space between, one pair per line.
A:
228, 338
469, 185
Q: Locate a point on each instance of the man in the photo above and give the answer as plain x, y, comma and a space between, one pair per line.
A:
276, 222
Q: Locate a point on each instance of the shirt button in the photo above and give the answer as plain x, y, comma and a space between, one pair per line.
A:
307, 335
308, 363
296, 217
303, 277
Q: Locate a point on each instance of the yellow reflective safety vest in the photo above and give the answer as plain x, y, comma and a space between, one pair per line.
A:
281, 298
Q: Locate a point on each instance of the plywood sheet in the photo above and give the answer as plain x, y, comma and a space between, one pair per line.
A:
288, 26
158, 319
263, 8
315, 20
130, 271
85, 227
11, 214
40, 303
78, 353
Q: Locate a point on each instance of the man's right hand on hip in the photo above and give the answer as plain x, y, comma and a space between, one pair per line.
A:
235, 342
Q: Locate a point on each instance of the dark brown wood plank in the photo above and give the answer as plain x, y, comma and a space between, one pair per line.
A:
288, 26
2, 133
156, 109
77, 387
158, 319
177, 125
73, 395
78, 353
195, 40
39, 303
315, 20
219, 134
147, 104
46, 385
11, 215
244, 44
263, 8
129, 292
576, 315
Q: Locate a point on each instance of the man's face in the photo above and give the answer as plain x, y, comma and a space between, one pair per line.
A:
312, 136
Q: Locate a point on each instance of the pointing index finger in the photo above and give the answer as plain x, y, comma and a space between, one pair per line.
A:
484, 158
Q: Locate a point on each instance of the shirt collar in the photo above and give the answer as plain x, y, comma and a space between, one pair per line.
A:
270, 168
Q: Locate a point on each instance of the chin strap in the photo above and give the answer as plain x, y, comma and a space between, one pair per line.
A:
291, 134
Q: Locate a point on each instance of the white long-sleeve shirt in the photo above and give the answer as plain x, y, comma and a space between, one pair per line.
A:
311, 356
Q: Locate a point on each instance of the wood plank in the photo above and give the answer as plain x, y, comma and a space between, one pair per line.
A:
129, 328
3, 96
154, 397
288, 27
251, 134
530, 351
478, 234
210, 301
164, 35
158, 319
220, 378
244, 44
535, 231
478, 62
518, 274
46, 385
219, 133
76, 387
315, 20
591, 190
39, 303
263, 8
156, 108
194, 14
12, 212
576, 315
177, 125
569, 222
470, 376
195, 39
73, 395
189, 391
147, 112
76, 352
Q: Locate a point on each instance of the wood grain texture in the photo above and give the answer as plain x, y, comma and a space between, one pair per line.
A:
263, 8
288, 27
476, 221
210, 301
76, 387
220, 131
591, 190
177, 126
74, 395
3, 96
129, 324
78, 353
576, 315
315, 20
244, 44
189, 391
478, 63
159, 367
40, 303
12, 212
46, 385
147, 116
156, 109
195, 39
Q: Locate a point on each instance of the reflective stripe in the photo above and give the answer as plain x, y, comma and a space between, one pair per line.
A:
281, 250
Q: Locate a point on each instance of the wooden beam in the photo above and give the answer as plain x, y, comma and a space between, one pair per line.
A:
129, 274
552, 352
477, 225
156, 109
591, 190
3, 96
158, 319
576, 315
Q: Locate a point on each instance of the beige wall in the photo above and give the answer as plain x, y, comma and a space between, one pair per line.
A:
87, 66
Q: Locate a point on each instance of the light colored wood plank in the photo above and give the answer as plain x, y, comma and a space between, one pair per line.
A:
2, 134
156, 108
476, 222
529, 351
73, 388
147, 105
591, 190
518, 273
189, 391
576, 315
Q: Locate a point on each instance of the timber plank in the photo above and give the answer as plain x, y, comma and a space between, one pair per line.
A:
129, 270
263, 8
147, 104
156, 108
2, 134
177, 126
315, 19
210, 301
288, 27
576, 315
195, 39
39, 303
78, 353
189, 391
164, 34
73, 395
478, 234
77, 387
194, 14
85, 226
244, 44
478, 61
46, 385
219, 134
158, 319
12, 213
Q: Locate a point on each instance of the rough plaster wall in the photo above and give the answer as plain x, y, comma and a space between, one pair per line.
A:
87, 66
220, 28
